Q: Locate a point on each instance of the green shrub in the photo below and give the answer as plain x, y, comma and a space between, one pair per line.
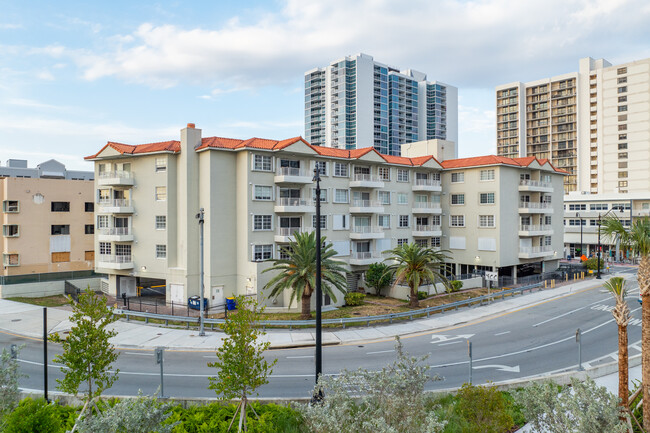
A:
353, 299
39, 416
422, 295
483, 408
378, 277
455, 285
592, 264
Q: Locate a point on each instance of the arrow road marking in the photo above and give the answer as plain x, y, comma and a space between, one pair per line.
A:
444, 338
505, 368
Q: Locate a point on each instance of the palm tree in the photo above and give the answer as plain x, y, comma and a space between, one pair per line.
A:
298, 271
621, 313
637, 238
416, 265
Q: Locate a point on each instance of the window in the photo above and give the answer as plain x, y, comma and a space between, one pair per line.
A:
161, 193
622, 155
424, 243
622, 89
403, 221
486, 221
11, 259
384, 173
402, 241
402, 175
622, 136
621, 80
11, 206
622, 99
575, 207
60, 206
487, 174
598, 206
341, 196
102, 221
457, 220
622, 127
161, 222
340, 222
262, 163
622, 108
340, 169
621, 71
262, 252
458, 199
486, 198
60, 229
105, 248
383, 221
384, 197
161, 251
10, 230
261, 222
89, 229
622, 164
622, 174
122, 250
262, 192
622, 146
547, 240
323, 195
322, 167
89, 256
622, 117
89, 206
435, 242
323, 221
458, 177
61, 257
547, 220
402, 198
161, 165
622, 183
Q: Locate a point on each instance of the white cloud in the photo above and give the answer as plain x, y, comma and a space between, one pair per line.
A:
10, 26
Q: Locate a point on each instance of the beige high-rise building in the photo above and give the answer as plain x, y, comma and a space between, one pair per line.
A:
257, 193
594, 123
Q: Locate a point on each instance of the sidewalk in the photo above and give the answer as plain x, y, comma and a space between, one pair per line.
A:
27, 320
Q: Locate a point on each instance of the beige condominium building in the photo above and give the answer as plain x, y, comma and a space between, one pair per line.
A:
581, 213
257, 193
47, 221
594, 123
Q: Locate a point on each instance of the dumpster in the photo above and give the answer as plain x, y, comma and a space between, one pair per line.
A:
231, 303
193, 303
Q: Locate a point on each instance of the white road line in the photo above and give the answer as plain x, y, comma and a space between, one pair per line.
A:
380, 351
211, 356
557, 317
300, 357
502, 333
139, 353
447, 344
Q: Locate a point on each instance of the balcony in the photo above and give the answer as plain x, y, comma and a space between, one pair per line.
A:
292, 175
585, 229
107, 261
366, 206
427, 208
534, 185
426, 231
536, 252
366, 181
366, 232
526, 207
115, 234
364, 258
294, 205
427, 185
119, 205
286, 234
115, 178
535, 230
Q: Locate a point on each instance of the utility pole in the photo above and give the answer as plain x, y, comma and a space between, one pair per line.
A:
201, 216
319, 296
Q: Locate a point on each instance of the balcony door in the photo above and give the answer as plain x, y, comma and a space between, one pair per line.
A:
290, 225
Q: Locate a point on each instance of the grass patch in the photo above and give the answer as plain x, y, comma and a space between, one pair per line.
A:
48, 301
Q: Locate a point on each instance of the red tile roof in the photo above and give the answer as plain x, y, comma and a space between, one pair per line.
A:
254, 143
494, 159
162, 146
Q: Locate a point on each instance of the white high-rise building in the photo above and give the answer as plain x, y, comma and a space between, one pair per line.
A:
356, 102
594, 123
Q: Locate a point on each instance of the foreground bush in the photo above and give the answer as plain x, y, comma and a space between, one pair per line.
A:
354, 299
39, 416
391, 400
483, 408
592, 264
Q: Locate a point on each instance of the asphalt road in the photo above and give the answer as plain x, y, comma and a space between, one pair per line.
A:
527, 342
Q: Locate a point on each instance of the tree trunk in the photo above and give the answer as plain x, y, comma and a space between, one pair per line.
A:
414, 301
623, 373
306, 307
643, 276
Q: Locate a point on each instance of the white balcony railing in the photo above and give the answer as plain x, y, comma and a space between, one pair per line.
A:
365, 255
426, 205
118, 202
530, 205
366, 177
366, 203
536, 250
106, 258
535, 228
115, 231
292, 171
427, 182
426, 228
286, 201
289, 231
367, 229
120, 174
528, 182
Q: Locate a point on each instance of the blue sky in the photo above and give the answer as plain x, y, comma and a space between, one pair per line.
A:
74, 75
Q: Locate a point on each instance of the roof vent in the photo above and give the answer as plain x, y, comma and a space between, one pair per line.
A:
191, 125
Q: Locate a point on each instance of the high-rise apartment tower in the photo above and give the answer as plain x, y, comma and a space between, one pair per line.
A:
356, 102
594, 123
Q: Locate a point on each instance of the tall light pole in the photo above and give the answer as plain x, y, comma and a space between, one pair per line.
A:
201, 216
581, 246
319, 296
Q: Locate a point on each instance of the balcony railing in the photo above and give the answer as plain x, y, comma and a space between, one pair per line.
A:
120, 174
290, 231
366, 177
106, 258
426, 228
366, 229
528, 182
529, 205
365, 255
366, 203
118, 202
536, 250
535, 228
286, 201
427, 182
426, 205
292, 171
115, 231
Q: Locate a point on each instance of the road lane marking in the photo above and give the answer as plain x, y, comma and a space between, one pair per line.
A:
380, 351
139, 354
506, 368
558, 317
444, 338
502, 333
300, 357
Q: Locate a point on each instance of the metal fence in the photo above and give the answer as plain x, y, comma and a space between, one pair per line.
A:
51, 276
150, 304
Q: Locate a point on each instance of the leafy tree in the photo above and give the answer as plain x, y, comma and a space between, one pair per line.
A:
87, 353
585, 408
9, 375
637, 239
483, 408
417, 265
390, 400
621, 313
298, 272
378, 277
241, 363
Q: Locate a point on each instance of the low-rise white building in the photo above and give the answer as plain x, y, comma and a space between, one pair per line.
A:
491, 212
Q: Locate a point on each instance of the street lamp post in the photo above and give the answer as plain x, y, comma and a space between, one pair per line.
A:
581, 245
200, 216
319, 345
